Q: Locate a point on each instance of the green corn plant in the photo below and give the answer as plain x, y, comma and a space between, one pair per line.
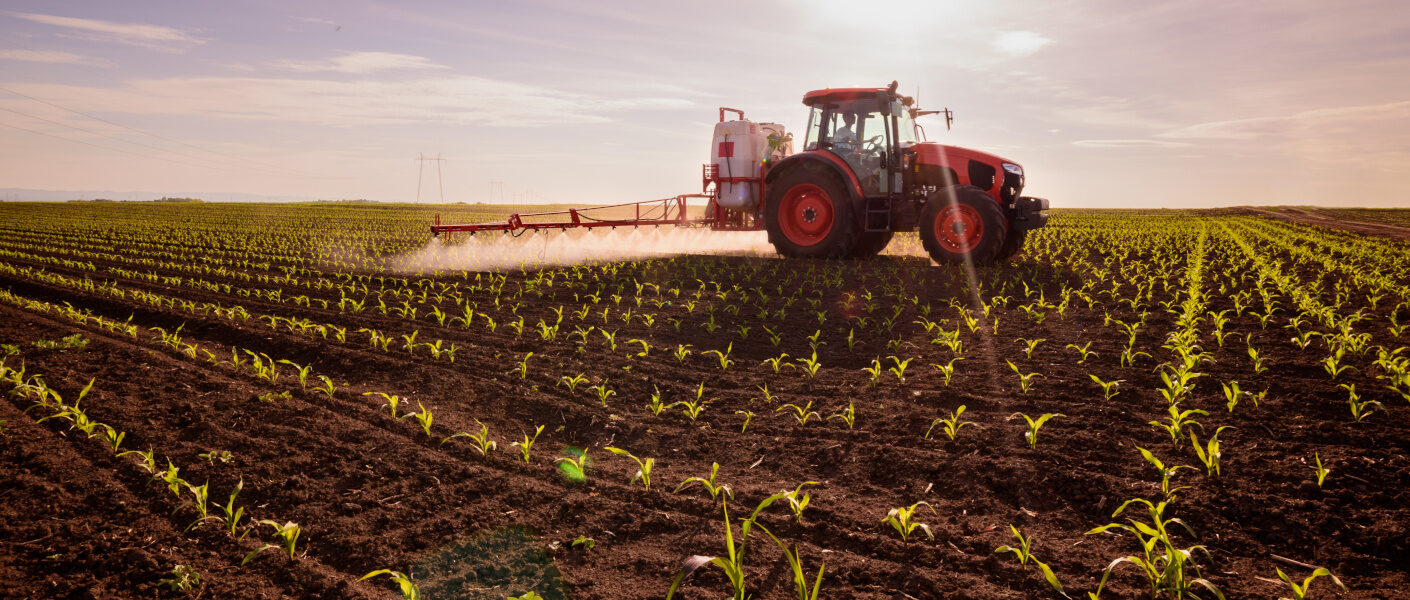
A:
423, 417
708, 483
947, 370
200, 502
1178, 421
800, 413
873, 372
1109, 388
645, 347
481, 439
392, 401
1129, 356
725, 361
1024, 380
952, 425
1360, 409
1084, 351
527, 445
303, 372
287, 533
409, 590
1024, 553
1166, 473
848, 416
732, 563
656, 405
694, 407
1209, 453
410, 339
602, 393
1031, 436
145, 460
1321, 470
327, 389
768, 397
609, 338
1232, 394
1029, 345
900, 519
898, 368
572, 383
643, 471
810, 365
681, 351
748, 416
797, 500
113, 438
575, 465
524, 365
1299, 592
183, 579
777, 363
232, 512
795, 563
1164, 564
1332, 364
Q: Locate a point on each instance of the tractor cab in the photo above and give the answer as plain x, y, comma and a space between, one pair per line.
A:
867, 128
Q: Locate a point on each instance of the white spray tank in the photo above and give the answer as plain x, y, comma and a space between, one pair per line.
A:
738, 151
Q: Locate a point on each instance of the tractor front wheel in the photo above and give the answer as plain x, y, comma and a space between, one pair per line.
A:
963, 224
808, 214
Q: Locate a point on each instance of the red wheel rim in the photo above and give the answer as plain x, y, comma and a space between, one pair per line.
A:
805, 214
959, 228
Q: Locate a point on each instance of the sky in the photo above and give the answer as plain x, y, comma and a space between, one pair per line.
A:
1106, 103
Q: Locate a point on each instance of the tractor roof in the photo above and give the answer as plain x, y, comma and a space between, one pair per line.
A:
836, 94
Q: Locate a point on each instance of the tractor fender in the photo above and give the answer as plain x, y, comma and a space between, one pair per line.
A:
832, 161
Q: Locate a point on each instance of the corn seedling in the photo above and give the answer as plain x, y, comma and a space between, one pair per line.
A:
574, 465
947, 370
327, 389
810, 365
1178, 421
1299, 592
873, 372
797, 500
572, 383
232, 512
732, 563
1163, 563
287, 533
527, 445
302, 371
656, 406
725, 361
1031, 436
709, 484
900, 520
681, 351
602, 392
200, 501
800, 413
952, 425
1024, 380
482, 440
1232, 394
409, 590
524, 365
1029, 345
848, 416
1209, 453
1084, 351
899, 368
1109, 388
1024, 553
423, 417
1166, 473
643, 471
224, 456
391, 401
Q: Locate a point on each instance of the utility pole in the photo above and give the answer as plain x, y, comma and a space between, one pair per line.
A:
496, 185
421, 160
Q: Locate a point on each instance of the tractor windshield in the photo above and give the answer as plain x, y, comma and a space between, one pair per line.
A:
905, 126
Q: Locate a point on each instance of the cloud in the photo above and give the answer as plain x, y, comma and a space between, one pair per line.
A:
51, 57
359, 63
1020, 43
1260, 127
452, 100
1132, 143
135, 34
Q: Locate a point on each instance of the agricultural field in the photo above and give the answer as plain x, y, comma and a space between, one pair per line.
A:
268, 401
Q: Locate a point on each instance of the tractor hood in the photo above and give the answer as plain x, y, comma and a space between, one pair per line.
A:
955, 157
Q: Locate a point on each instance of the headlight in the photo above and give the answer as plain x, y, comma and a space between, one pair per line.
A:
1012, 168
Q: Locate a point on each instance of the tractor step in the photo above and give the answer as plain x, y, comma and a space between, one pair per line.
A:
877, 215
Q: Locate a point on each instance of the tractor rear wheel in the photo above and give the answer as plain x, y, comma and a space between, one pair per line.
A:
871, 243
962, 224
808, 214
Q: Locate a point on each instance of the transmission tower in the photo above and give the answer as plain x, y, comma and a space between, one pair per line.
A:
440, 183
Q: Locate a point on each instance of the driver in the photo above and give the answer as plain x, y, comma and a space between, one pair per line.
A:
846, 134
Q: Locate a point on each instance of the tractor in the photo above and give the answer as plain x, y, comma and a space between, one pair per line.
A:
864, 173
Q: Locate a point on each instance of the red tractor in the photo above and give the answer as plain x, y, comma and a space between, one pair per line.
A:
864, 173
